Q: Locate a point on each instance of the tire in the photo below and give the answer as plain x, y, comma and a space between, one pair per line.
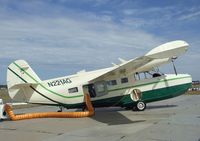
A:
60, 109
4, 113
141, 106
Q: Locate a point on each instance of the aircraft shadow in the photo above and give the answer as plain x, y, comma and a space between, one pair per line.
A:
113, 117
160, 106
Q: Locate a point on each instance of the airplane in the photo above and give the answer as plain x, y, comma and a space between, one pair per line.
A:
131, 84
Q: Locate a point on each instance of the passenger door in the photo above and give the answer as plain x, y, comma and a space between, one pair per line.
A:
100, 88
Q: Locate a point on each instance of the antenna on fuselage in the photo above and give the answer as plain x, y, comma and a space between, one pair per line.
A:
122, 60
114, 65
173, 59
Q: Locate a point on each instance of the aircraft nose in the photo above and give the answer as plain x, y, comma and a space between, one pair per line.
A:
184, 82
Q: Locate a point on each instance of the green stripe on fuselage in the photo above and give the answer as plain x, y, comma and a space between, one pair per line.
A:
148, 96
119, 100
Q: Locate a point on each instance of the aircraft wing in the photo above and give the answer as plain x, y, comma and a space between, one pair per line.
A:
154, 58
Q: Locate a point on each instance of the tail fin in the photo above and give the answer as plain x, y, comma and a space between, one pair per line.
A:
20, 74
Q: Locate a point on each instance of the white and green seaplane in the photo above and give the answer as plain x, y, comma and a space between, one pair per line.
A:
130, 84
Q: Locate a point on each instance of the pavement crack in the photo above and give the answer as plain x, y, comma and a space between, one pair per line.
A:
121, 138
159, 140
40, 131
60, 134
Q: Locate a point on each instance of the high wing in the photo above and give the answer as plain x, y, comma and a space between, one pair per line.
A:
154, 58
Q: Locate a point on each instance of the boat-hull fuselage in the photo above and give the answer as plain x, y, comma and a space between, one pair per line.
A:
152, 89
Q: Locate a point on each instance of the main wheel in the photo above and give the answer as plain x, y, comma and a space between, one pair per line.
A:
141, 106
60, 109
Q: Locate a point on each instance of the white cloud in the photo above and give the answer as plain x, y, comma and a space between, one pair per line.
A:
149, 10
53, 35
73, 43
190, 16
68, 37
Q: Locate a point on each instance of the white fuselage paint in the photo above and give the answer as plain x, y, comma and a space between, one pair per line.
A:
59, 93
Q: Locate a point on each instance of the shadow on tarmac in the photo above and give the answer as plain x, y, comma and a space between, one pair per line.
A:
160, 106
113, 117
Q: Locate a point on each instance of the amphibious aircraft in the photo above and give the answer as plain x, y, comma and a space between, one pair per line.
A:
130, 84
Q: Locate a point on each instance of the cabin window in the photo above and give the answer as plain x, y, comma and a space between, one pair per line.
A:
137, 76
73, 90
143, 75
100, 88
112, 82
124, 80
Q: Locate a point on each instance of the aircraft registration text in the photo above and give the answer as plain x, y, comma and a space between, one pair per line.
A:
59, 82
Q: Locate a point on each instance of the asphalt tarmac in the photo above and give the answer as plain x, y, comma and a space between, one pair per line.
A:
176, 119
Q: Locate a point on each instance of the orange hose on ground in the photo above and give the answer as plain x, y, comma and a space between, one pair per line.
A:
88, 113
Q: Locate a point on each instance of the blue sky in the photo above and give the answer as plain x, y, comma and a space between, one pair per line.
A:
61, 37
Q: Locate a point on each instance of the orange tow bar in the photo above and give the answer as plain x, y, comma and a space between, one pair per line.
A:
88, 113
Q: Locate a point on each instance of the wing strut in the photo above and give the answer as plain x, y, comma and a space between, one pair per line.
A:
173, 59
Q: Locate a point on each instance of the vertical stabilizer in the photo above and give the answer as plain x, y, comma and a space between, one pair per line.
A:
19, 73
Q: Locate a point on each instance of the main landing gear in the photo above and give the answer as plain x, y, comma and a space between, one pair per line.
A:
60, 109
140, 106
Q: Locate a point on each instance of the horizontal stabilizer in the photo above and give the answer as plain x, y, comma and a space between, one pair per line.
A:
18, 86
17, 103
